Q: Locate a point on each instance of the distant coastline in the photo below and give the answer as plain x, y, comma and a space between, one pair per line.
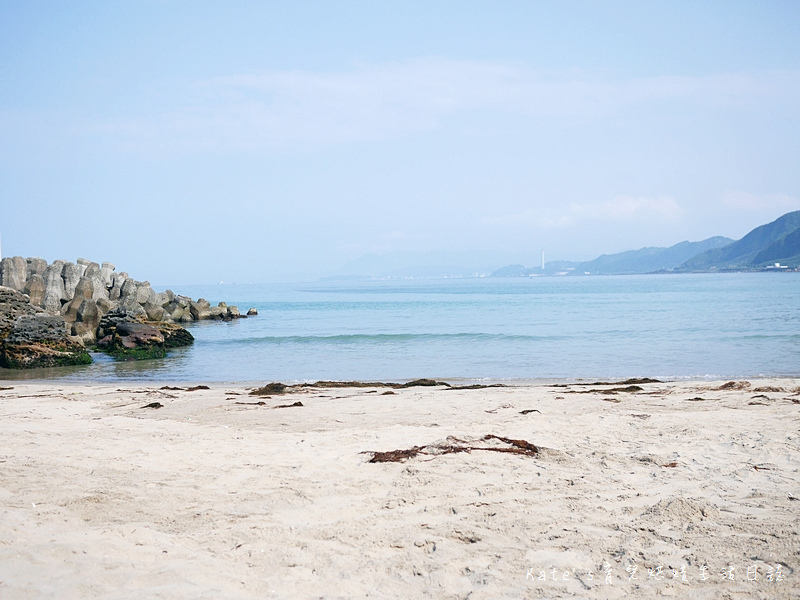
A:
773, 247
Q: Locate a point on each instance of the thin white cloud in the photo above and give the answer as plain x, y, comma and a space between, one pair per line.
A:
622, 209
628, 208
372, 102
743, 201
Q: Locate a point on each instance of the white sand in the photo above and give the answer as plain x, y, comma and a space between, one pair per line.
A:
205, 498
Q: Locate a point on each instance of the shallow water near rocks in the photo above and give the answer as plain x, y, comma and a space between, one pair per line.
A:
667, 326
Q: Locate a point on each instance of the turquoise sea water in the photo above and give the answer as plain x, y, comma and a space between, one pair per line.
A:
666, 326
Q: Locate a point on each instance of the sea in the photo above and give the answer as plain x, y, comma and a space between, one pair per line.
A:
572, 328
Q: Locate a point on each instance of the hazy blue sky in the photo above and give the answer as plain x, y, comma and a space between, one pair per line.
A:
192, 142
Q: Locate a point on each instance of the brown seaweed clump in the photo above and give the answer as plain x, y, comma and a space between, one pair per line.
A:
455, 445
271, 388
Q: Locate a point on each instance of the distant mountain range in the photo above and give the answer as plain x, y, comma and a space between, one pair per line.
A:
649, 260
776, 243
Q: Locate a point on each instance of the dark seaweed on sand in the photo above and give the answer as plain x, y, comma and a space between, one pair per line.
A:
281, 388
270, 389
455, 446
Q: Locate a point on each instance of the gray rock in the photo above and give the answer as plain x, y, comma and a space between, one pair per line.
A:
178, 312
116, 286
129, 289
104, 305
71, 276
165, 298
252, 312
35, 288
54, 291
145, 294
86, 318
83, 293
84, 289
130, 305
154, 311
13, 304
95, 273
82, 265
36, 266
217, 312
200, 310
233, 312
13, 272
107, 270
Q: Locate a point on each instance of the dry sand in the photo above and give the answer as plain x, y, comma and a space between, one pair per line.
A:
207, 498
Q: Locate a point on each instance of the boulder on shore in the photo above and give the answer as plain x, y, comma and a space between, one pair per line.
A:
31, 339
136, 341
41, 341
124, 335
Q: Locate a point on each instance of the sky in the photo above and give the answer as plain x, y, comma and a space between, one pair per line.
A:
198, 142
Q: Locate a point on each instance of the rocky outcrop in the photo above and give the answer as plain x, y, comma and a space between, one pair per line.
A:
54, 288
84, 292
82, 312
42, 341
13, 305
124, 335
13, 273
136, 341
35, 288
29, 338
71, 274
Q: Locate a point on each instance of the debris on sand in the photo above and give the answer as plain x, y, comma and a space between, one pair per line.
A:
262, 403
189, 389
476, 386
153, 405
270, 389
347, 384
281, 388
634, 381
735, 385
395, 455
527, 411
610, 392
424, 383
455, 445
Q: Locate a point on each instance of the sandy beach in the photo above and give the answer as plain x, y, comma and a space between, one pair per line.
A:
687, 489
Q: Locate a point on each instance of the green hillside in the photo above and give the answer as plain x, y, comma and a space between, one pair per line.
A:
760, 247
